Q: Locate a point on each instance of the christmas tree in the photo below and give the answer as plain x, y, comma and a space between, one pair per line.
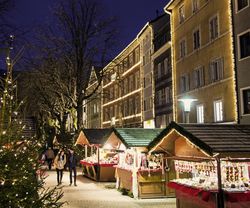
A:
20, 185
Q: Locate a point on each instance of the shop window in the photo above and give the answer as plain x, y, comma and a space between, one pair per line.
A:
200, 113
214, 27
246, 101
244, 45
216, 69
241, 4
196, 39
218, 111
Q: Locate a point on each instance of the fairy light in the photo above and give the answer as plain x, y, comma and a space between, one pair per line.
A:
233, 62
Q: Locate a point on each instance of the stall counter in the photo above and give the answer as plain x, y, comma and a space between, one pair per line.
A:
101, 172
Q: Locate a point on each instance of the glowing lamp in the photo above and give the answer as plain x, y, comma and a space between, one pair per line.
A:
187, 106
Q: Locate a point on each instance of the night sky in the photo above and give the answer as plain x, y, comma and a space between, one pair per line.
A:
132, 15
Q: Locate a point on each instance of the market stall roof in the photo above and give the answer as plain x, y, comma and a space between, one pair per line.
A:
136, 137
211, 138
93, 136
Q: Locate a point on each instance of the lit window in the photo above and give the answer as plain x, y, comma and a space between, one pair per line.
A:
182, 48
244, 44
200, 113
218, 111
199, 80
181, 14
216, 70
241, 4
214, 28
246, 101
196, 37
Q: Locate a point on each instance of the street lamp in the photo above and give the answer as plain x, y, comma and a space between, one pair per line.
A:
187, 106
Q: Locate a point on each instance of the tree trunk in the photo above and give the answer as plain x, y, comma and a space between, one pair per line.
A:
79, 110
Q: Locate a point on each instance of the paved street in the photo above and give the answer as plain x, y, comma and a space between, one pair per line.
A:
90, 194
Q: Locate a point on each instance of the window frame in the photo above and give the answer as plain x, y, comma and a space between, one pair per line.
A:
197, 29
218, 29
237, 6
219, 73
183, 40
181, 16
195, 8
200, 117
239, 46
242, 101
221, 116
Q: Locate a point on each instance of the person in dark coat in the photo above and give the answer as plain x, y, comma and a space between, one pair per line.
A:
72, 163
49, 157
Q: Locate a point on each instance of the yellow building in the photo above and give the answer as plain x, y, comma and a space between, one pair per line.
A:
203, 64
122, 89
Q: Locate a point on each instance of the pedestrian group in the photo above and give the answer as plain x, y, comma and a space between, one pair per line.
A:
60, 161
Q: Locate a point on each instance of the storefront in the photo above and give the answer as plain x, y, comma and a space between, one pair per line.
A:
142, 175
211, 162
99, 161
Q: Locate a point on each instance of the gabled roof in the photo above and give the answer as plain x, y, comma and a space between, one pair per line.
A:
97, 136
136, 137
212, 138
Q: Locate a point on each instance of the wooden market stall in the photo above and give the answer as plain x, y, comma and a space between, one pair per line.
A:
212, 164
98, 163
136, 172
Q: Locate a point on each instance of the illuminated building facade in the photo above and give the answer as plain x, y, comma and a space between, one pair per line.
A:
122, 89
162, 70
241, 26
203, 60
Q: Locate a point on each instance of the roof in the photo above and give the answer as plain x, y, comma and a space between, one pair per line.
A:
212, 138
136, 137
97, 136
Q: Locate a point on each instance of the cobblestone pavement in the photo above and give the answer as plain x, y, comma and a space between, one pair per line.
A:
90, 194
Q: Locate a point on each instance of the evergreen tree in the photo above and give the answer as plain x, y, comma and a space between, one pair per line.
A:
20, 185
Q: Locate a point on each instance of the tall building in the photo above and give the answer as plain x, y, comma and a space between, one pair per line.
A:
162, 70
241, 27
145, 38
92, 106
203, 62
122, 90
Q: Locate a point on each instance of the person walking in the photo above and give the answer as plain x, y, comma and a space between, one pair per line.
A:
72, 163
59, 163
49, 157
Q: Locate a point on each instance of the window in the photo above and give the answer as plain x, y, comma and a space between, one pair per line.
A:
195, 5
244, 44
137, 80
137, 55
216, 70
168, 95
159, 71
181, 14
196, 37
182, 48
199, 77
184, 83
131, 60
241, 4
218, 111
200, 113
246, 101
214, 28
167, 65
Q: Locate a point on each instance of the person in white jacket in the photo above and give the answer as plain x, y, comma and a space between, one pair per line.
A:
59, 163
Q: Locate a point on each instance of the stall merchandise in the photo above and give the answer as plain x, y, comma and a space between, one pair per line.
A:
211, 164
142, 175
99, 162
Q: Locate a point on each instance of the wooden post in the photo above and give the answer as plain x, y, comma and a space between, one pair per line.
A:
220, 196
86, 151
98, 155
